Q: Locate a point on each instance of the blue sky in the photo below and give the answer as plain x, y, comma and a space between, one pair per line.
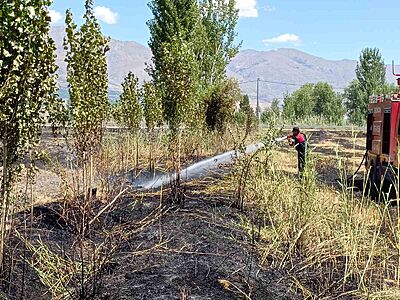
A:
333, 29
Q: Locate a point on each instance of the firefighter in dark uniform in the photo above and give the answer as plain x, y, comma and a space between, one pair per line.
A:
299, 142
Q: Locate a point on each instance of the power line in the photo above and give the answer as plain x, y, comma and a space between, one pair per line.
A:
286, 83
244, 82
283, 83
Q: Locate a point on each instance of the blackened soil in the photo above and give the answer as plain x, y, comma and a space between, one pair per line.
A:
197, 250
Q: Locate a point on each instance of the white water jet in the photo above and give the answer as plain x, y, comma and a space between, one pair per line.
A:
203, 167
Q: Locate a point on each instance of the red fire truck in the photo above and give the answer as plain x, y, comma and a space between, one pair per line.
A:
383, 136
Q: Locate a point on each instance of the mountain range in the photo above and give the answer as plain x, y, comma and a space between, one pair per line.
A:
280, 71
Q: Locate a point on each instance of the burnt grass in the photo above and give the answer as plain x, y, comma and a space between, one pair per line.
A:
150, 249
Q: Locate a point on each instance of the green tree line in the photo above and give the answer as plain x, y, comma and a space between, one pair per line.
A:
314, 100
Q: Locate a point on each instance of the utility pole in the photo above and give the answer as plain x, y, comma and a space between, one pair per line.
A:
258, 99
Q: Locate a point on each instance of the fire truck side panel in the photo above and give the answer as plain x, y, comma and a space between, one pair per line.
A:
377, 128
394, 136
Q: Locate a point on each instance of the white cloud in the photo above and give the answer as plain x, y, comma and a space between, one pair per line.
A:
55, 16
247, 8
283, 39
105, 14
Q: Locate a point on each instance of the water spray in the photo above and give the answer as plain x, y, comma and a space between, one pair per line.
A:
204, 167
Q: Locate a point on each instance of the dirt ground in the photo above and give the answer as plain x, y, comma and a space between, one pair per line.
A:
193, 251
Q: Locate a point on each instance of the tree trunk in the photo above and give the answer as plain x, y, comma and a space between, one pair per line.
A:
4, 204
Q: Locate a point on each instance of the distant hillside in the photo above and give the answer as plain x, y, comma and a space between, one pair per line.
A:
287, 66
281, 65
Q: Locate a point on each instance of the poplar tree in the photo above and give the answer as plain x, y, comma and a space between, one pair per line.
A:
370, 73
172, 20
128, 110
152, 106
87, 77
271, 114
175, 68
153, 115
175, 71
246, 116
217, 42
27, 89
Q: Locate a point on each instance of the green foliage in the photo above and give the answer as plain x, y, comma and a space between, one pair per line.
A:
370, 72
388, 89
272, 114
152, 105
217, 39
370, 80
179, 84
275, 107
27, 88
319, 100
355, 103
246, 116
27, 75
175, 69
128, 111
300, 104
328, 104
220, 103
87, 78
172, 20
207, 31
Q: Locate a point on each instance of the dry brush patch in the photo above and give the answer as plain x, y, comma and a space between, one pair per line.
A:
333, 241
65, 246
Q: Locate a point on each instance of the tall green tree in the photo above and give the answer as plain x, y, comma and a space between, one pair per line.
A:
128, 109
87, 77
217, 41
179, 85
370, 72
172, 20
152, 106
175, 69
153, 115
27, 89
275, 107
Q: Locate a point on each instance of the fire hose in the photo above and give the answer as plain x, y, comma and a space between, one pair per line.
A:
351, 177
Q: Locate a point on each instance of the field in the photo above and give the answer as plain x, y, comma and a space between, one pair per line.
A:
255, 230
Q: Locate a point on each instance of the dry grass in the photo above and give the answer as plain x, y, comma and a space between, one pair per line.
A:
335, 243
331, 241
